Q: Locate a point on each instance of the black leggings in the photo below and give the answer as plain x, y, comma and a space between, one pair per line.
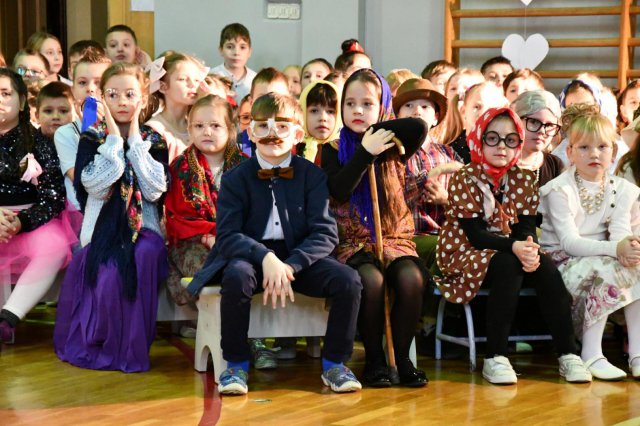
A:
407, 283
504, 278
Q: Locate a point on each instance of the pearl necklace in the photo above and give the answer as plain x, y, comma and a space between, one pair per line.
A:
590, 203
538, 161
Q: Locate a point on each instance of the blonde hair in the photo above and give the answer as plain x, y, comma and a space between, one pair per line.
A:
454, 122
37, 39
585, 122
462, 72
396, 77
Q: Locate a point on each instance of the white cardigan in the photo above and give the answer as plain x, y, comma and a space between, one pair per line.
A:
108, 165
566, 226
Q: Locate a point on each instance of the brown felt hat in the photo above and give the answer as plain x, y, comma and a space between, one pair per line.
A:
419, 88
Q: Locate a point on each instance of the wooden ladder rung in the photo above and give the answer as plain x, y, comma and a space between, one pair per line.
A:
551, 11
574, 73
566, 42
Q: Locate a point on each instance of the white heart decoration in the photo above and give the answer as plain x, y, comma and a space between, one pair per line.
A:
525, 54
526, 2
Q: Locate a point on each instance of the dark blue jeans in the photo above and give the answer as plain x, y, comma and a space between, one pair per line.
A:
326, 278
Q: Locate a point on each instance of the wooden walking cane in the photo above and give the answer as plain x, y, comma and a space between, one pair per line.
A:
377, 226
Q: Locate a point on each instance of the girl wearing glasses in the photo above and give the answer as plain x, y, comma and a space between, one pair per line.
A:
489, 240
109, 298
539, 110
587, 231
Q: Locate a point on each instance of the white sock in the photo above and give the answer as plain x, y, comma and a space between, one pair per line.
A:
592, 343
632, 316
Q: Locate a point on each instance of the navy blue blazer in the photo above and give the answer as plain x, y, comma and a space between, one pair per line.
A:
243, 209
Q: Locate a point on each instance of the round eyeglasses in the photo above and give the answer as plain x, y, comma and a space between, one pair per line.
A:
512, 140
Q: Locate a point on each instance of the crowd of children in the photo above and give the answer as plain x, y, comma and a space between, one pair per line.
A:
324, 179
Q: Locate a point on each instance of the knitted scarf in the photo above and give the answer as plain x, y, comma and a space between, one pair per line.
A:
120, 218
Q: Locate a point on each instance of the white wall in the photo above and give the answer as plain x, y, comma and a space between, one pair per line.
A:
194, 26
396, 34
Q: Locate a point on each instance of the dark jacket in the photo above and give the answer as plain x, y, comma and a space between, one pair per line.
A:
244, 206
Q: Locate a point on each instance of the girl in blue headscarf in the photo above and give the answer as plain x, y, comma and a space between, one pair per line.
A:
366, 100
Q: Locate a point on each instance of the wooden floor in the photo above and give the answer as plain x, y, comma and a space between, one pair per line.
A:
36, 388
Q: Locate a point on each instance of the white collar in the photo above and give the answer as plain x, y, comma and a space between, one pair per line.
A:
266, 165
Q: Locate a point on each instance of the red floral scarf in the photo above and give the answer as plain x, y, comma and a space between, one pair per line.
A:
191, 201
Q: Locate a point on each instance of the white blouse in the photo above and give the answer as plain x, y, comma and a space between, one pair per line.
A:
566, 226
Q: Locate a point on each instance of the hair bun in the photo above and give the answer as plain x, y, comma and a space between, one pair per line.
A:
351, 45
576, 111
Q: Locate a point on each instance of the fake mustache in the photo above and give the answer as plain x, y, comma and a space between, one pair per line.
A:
271, 139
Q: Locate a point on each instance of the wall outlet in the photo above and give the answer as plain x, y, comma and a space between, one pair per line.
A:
283, 11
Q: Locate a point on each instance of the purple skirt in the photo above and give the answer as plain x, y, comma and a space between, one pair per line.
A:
97, 327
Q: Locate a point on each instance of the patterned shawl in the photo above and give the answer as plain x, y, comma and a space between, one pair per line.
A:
191, 201
120, 218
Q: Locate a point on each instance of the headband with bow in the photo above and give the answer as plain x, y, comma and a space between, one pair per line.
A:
156, 72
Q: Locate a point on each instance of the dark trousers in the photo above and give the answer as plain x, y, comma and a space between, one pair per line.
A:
326, 278
504, 278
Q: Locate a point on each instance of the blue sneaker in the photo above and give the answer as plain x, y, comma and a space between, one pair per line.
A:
233, 382
341, 380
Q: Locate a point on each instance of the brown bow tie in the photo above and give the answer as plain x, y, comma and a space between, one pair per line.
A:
276, 172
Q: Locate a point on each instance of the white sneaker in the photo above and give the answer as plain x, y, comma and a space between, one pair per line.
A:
634, 367
604, 370
573, 370
498, 371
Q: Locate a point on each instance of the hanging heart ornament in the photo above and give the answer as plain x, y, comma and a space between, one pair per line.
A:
527, 53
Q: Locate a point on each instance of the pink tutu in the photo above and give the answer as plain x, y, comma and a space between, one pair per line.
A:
54, 238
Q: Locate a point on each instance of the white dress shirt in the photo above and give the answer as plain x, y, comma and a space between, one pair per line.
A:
273, 231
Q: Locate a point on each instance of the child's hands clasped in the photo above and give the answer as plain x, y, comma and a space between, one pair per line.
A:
435, 193
9, 225
378, 142
628, 251
527, 252
277, 280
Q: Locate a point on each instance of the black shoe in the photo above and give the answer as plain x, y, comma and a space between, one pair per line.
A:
411, 377
376, 376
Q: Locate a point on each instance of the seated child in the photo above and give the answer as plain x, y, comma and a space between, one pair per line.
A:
496, 69
438, 73
275, 234
86, 82
77, 51
320, 104
315, 69
587, 230
586, 92
106, 317
426, 195
366, 101
35, 234
235, 49
121, 45
54, 107
488, 240
190, 204
294, 74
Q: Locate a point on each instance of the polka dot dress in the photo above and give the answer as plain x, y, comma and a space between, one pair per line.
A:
464, 267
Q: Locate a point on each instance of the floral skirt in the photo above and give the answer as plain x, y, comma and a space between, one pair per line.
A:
186, 257
599, 285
